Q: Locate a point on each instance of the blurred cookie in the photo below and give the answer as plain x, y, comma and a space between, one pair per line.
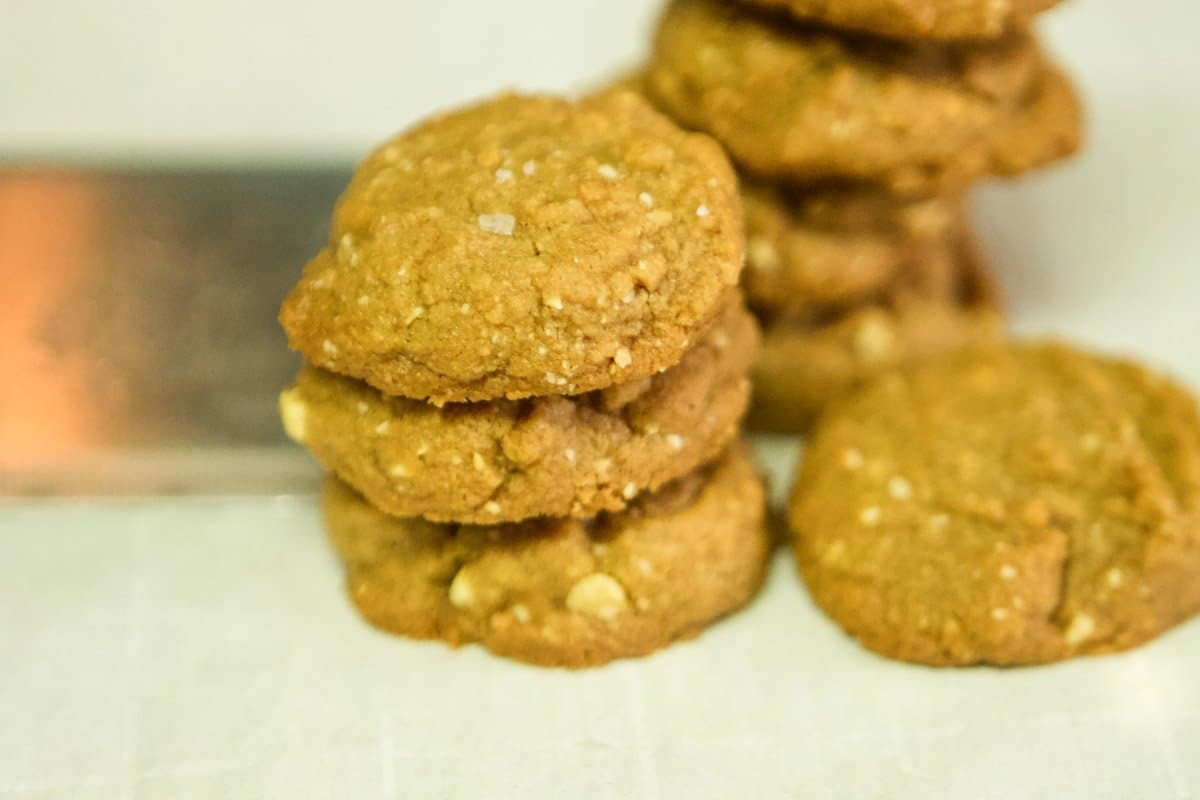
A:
1013, 505
917, 19
809, 250
799, 104
564, 592
507, 460
805, 364
523, 246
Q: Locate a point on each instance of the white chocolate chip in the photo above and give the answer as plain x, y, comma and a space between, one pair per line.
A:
570, 455
623, 358
553, 301
675, 441
491, 507
399, 471
598, 595
646, 199
294, 414
608, 171
702, 211
873, 340
1080, 629
630, 491
462, 594
329, 347
382, 427
1008, 572
500, 224
870, 516
504, 175
478, 461
899, 488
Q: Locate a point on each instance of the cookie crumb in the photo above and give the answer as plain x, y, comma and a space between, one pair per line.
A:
598, 595
623, 358
852, 459
570, 455
521, 613
501, 224
1008, 572
413, 315
329, 347
1114, 577
399, 471
362, 407
675, 441
382, 427
553, 301
873, 340
478, 462
465, 308
999, 614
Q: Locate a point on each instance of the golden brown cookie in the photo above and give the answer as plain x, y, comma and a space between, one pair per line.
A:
805, 364
798, 104
564, 592
523, 246
830, 247
508, 460
917, 19
1014, 505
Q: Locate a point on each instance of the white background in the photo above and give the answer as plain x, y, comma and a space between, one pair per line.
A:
203, 649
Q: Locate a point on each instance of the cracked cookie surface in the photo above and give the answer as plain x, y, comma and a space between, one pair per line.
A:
522, 246
563, 592
916, 19
797, 104
1012, 505
508, 460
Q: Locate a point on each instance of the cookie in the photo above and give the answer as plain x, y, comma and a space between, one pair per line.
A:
916, 19
1019, 504
508, 460
821, 248
523, 246
805, 364
564, 592
802, 105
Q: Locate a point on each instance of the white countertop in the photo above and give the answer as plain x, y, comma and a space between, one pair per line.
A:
204, 648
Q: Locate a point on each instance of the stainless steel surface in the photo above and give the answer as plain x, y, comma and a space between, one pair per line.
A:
138, 343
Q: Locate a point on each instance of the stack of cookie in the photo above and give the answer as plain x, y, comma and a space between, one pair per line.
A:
857, 127
527, 363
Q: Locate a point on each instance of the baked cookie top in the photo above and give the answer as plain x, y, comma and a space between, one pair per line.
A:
801, 104
916, 19
522, 246
1011, 505
508, 460
564, 592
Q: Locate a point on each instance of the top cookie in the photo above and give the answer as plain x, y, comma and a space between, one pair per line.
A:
801, 105
524, 246
917, 19
1012, 505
